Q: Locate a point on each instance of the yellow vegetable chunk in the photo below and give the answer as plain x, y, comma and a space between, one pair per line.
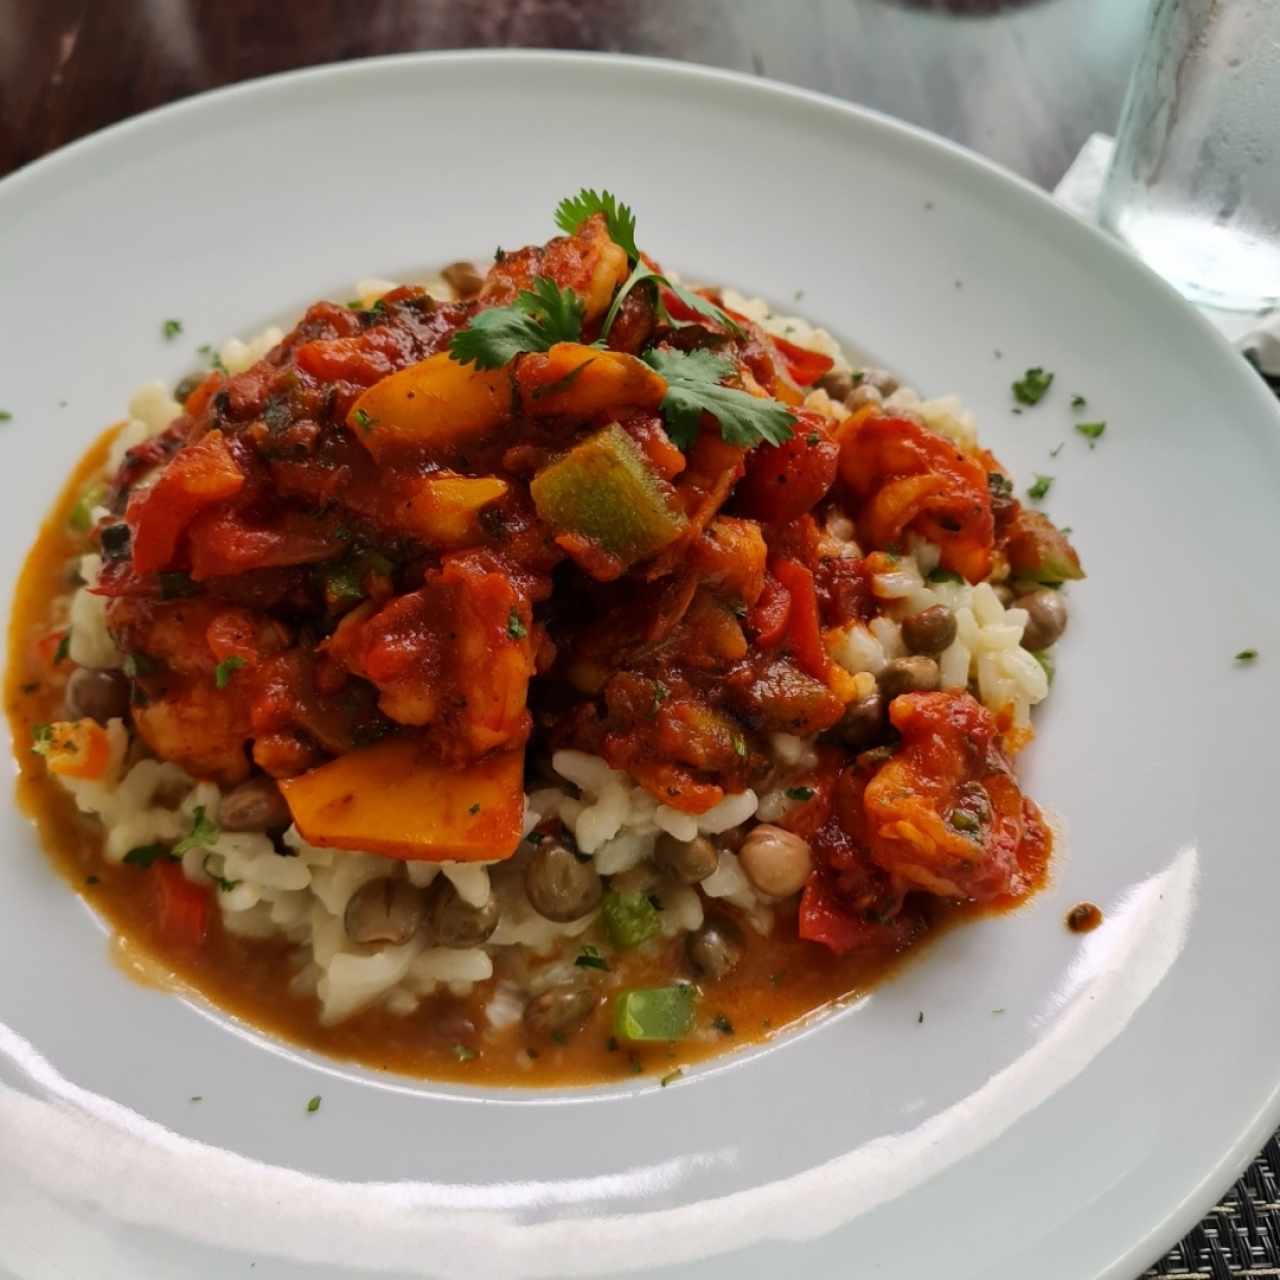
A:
578, 382
444, 509
607, 505
436, 402
394, 799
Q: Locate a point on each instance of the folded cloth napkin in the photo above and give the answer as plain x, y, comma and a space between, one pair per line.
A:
1256, 334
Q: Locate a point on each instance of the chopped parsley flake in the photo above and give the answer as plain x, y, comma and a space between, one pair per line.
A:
1053, 453
1040, 488
799, 793
740, 746
144, 855
1092, 431
362, 420
1246, 656
5, 415
722, 1024
590, 958
920, 1016
475, 808
313, 1104
202, 835
223, 672
464, 1053
61, 653
1078, 401
42, 739
1031, 387
515, 625
671, 1077
171, 329
223, 884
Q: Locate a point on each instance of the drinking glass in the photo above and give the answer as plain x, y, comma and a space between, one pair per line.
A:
1194, 183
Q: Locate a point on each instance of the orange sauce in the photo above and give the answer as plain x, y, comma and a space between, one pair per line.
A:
779, 981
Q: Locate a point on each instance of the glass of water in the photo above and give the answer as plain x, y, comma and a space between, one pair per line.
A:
1194, 183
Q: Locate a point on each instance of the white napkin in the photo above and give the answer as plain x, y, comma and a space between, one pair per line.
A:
1257, 333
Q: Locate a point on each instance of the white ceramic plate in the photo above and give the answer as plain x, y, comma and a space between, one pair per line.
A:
1069, 1105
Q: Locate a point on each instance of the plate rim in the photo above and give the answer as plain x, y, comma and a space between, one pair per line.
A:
1155, 1239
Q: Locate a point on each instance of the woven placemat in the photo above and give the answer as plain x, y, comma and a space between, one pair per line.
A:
1239, 1238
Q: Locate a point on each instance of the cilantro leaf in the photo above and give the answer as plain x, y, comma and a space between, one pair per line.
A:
515, 625
222, 882
540, 316
171, 329
63, 650
693, 388
573, 211
202, 835
223, 672
799, 793
1091, 431
1031, 387
1246, 656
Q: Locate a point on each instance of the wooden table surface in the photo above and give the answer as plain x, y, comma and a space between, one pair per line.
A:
1022, 82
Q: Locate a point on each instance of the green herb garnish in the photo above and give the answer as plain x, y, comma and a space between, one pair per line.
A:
464, 1052
5, 415
1091, 431
998, 485
540, 316
203, 834
945, 575
1247, 655
313, 1104
1078, 401
722, 1024
1040, 488
590, 958
1031, 387
621, 223
515, 625
362, 420
671, 1077
799, 793
223, 672
694, 387
171, 329
474, 809
63, 651
222, 882
42, 739
144, 855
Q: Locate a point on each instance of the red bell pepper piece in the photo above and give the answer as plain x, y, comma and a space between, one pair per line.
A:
199, 476
804, 366
182, 908
768, 616
804, 631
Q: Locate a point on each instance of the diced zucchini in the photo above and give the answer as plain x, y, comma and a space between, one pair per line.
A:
604, 497
653, 1013
629, 918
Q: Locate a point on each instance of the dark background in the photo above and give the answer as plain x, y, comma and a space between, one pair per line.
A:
1022, 81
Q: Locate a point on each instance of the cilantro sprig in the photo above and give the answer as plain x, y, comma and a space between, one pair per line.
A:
573, 211
540, 316
694, 387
